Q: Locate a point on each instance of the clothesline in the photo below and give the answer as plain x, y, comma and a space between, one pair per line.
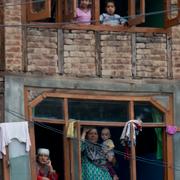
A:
138, 158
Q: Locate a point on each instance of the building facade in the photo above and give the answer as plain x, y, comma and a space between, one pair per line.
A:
54, 71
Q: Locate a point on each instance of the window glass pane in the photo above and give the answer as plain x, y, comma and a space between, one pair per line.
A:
49, 108
149, 155
94, 110
38, 6
147, 112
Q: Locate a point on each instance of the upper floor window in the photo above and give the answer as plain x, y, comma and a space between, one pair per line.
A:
143, 13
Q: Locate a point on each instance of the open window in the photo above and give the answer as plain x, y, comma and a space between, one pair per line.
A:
55, 110
38, 10
50, 136
172, 12
136, 12
70, 9
141, 13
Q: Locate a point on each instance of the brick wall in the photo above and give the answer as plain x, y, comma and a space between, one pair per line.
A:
151, 55
13, 37
176, 52
98, 54
42, 51
79, 53
116, 54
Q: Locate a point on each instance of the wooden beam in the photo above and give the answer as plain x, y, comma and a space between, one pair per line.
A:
169, 141
133, 156
49, 120
98, 61
36, 101
95, 11
158, 105
5, 161
133, 150
67, 150
97, 97
60, 51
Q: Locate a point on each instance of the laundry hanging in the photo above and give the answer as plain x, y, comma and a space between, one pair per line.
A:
13, 130
126, 133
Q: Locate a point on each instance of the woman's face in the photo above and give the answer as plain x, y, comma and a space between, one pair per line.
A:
92, 135
43, 159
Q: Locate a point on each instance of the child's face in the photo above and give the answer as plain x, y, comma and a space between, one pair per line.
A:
84, 3
105, 134
110, 8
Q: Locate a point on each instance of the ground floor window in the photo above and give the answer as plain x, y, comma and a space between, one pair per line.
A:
63, 121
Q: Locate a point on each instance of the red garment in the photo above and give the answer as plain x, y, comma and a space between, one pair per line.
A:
53, 176
45, 172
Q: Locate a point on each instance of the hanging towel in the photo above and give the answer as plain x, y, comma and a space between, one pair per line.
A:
70, 129
13, 130
126, 134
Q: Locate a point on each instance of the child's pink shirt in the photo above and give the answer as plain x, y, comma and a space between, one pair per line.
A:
83, 17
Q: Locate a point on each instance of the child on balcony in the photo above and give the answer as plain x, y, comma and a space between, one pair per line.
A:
110, 17
83, 13
107, 147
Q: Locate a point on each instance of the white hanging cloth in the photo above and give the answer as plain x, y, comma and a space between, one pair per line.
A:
13, 130
126, 133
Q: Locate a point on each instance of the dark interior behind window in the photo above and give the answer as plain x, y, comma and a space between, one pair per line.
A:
94, 110
49, 108
147, 112
154, 20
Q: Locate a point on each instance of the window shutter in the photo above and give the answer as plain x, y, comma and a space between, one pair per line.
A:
172, 13
136, 12
38, 10
70, 9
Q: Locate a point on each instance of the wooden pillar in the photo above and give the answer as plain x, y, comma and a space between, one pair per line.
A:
133, 155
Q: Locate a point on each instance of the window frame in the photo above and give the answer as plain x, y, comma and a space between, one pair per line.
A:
46, 13
134, 20
174, 21
68, 146
132, 12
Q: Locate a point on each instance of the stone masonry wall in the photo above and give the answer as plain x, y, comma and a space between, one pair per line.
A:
13, 36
